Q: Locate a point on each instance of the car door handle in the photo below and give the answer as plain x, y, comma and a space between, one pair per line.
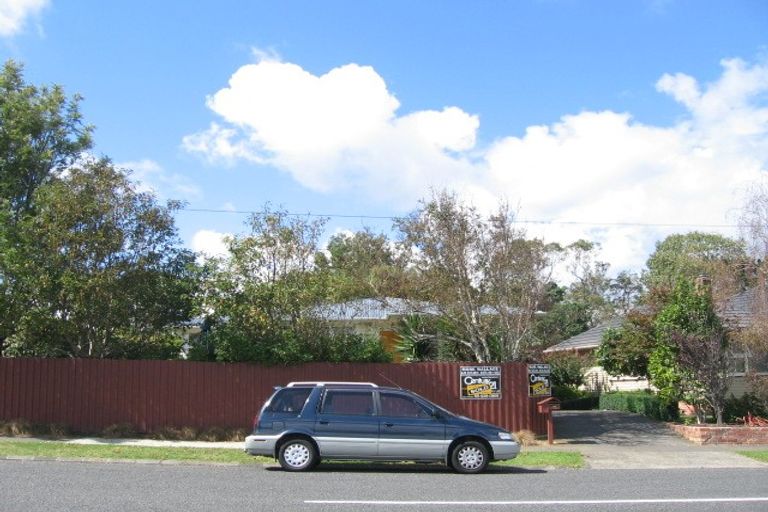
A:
389, 424
323, 422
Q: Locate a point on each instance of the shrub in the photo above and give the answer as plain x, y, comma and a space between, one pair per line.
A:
568, 368
737, 408
120, 430
526, 438
585, 403
566, 393
15, 428
58, 430
642, 402
175, 434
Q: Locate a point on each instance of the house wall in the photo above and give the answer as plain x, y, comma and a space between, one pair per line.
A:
89, 394
597, 379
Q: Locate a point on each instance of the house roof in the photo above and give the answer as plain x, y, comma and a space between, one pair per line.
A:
382, 309
587, 339
372, 309
739, 310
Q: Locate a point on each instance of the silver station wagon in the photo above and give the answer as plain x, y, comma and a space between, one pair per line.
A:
306, 422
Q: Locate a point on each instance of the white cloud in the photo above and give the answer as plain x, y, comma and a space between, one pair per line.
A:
150, 176
15, 13
337, 130
210, 244
342, 131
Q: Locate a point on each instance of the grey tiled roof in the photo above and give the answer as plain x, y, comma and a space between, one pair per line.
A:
588, 339
381, 309
738, 311
372, 309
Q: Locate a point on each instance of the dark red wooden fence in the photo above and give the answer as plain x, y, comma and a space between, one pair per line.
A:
89, 395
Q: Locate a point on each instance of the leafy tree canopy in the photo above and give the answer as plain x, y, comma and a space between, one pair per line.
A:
41, 134
692, 255
269, 298
99, 271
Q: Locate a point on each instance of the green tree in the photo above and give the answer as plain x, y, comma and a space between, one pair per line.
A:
625, 351
563, 320
269, 298
99, 271
480, 275
41, 134
362, 265
690, 357
692, 255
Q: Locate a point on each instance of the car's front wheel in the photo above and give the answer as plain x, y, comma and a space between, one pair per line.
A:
470, 457
297, 455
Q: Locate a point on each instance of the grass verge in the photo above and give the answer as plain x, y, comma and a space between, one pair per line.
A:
759, 455
564, 459
58, 450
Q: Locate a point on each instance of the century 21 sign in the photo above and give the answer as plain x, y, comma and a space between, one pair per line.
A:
480, 382
539, 380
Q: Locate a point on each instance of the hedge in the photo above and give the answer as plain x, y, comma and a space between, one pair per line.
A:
585, 403
640, 402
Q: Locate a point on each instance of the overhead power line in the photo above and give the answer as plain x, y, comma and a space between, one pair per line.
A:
516, 221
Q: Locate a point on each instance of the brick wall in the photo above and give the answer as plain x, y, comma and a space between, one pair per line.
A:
729, 434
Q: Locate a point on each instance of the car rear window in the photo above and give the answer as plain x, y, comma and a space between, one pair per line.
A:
347, 402
290, 400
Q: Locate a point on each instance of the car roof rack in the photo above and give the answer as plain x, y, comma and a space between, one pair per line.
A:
331, 383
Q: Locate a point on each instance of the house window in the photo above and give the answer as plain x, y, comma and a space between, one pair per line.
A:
758, 362
745, 362
737, 363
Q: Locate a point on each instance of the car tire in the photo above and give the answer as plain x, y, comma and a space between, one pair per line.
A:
470, 457
297, 455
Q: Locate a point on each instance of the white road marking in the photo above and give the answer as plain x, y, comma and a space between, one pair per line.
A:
540, 502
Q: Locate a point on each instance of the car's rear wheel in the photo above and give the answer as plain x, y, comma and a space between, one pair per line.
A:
470, 457
297, 455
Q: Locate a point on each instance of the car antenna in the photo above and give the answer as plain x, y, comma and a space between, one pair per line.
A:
390, 380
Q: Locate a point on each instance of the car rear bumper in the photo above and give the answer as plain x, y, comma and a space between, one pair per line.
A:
260, 445
505, 449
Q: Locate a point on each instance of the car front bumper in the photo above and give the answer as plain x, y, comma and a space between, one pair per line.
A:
505, 449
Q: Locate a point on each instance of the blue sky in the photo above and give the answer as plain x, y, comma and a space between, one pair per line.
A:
610, 119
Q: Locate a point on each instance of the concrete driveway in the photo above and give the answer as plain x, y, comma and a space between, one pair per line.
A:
612, 439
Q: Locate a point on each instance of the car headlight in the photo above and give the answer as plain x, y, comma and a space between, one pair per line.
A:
505, 436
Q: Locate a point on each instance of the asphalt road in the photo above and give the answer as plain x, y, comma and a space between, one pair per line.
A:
52, 486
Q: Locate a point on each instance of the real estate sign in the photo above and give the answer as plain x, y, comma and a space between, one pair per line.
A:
480, 382
539, 380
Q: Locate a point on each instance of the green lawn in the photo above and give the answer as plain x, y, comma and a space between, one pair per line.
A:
761, 455
53, 449
564, 459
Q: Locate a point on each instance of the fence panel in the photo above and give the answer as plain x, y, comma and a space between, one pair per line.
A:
89, 395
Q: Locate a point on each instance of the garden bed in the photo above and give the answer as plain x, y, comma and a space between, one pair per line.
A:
726, 434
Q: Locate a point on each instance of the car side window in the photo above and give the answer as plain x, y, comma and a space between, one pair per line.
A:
393, 404
290, 400
347, 402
